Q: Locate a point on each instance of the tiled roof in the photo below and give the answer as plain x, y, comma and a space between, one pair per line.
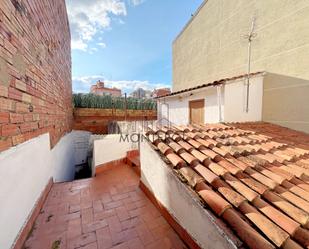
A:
255, 176
214, 83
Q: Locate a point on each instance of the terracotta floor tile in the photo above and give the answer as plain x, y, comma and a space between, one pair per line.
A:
105, 212
121, 246
162, 244
121, 196
90, 227
104, 238
74, 208
114, 224
122, 213
144, 234
131, 222
82, 240
160, 232
135, 244
106, 198
87, 215
113, 204
93, 245
130, 205
97, 206
118, 237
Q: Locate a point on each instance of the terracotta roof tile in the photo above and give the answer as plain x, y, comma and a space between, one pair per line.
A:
239, 164
208, 175
290, 244
216, 202
191, 176
176, 147
241, 188
217, 169
302, 236
296, 200
300, 184
253, 184
270, 229
189, 158
185, 145
229, 166
246, 232
292, 211
209, 143
255, 170
283, 221
175, 160
296, 190
164, 148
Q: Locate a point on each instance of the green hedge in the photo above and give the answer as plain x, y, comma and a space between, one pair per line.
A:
82, 100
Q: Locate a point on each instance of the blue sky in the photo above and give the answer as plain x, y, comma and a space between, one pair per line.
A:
128, 43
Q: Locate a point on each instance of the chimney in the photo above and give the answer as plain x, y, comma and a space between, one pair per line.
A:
100, 84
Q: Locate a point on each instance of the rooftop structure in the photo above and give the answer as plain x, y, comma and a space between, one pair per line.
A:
141, 93
100, 89
160, 92
233, 100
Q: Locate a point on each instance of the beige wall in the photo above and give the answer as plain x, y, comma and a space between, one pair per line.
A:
235, 99
286, 101
212, 45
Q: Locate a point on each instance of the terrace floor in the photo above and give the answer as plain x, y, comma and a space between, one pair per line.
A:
108, 211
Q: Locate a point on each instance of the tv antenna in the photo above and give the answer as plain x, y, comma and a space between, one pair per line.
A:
249, 38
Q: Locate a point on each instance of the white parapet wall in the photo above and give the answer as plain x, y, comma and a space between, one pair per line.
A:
182, 203
24, 174
108, 148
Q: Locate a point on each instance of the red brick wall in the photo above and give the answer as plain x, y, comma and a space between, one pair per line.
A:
35, 71
97, 120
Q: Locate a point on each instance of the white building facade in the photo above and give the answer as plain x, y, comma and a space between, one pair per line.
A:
273, 98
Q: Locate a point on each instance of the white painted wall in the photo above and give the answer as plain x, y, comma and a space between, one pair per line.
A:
81, 146
235, 101
24, 173
181, 203
71, 150
110, 148
178, 106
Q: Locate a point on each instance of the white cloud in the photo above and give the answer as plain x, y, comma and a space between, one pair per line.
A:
93, 50
137, 2
89, 17
82, 84
101, 44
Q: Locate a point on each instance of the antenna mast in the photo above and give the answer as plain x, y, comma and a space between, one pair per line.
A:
249, 37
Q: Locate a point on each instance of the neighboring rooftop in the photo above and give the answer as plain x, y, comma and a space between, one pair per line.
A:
100, 89
160, 92
214, 83
254, 176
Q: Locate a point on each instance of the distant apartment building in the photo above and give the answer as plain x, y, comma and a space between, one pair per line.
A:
141, 93
100, 89
160, 92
